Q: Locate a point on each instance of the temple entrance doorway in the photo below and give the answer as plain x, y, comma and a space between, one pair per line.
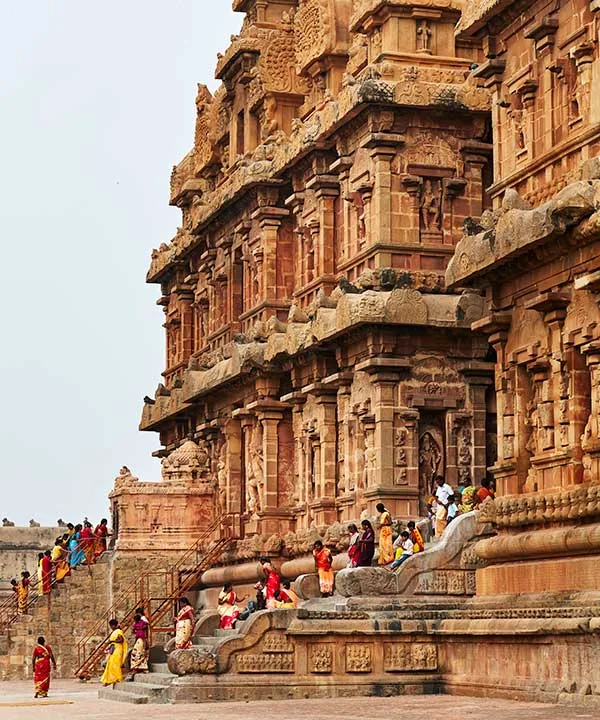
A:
432, 455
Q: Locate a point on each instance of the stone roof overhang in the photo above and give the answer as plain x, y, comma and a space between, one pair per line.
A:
522, 238
477, 13
401, 308
367, 9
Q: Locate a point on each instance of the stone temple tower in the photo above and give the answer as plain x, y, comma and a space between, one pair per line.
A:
313, 352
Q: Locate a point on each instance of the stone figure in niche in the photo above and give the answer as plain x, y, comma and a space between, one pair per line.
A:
430, 459
370, 457
256, 477
464, 447
431, 205
518, 120
423, 36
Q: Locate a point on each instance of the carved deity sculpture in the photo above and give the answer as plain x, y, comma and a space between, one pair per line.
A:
464, 454
518, 120
423, 36
271, 122
256, 474
430, 458
431, 205
370, 456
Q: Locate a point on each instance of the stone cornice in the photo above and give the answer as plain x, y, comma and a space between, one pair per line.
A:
522, 238
398, 307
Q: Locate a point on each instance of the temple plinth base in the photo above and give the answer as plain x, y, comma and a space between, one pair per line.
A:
533, 576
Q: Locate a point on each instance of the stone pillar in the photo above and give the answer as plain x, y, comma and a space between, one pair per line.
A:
323, 506
233, 436
478, 379
342, 167
270, 420
496, 327
384, 147
269, 219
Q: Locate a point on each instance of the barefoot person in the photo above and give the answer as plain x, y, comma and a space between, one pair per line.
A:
323, 564
23, 592
386, 549
366, 545
227, 607
184, 625
100, 534
140, 651
42, 660
117, 654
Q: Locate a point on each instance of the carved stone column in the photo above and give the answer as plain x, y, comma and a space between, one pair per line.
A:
496, 327
326, 189
478, 376
269, 219
384, 147
323, 506
342, 167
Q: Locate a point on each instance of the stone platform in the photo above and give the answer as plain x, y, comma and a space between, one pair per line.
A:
79, 702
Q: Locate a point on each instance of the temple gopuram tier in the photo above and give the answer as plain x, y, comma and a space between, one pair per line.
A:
316, 364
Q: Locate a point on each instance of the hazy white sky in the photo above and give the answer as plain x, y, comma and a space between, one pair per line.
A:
96, 105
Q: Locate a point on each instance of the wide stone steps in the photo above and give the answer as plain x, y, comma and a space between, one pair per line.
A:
147, 688
137, 693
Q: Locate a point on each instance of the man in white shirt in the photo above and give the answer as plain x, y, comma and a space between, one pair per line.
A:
443, 491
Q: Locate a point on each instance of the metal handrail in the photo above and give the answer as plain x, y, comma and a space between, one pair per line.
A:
194, 561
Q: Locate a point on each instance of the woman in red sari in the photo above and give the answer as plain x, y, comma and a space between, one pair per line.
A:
100, 535
46, 565
41, 660
272, 581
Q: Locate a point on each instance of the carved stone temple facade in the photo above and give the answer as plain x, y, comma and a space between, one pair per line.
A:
389, 268
316, 363
536, 258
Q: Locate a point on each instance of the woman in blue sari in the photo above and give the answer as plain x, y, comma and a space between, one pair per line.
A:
76, 556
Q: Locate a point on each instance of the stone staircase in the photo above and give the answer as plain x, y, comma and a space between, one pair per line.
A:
61, 617
146, 689
152, 688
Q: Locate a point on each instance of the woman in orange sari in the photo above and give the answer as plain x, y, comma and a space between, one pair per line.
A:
100, 536
87, 543
323, 564
41, 660
184, 625
23, 593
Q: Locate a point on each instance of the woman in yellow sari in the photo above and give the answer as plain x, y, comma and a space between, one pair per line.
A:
59, 559
184, 625
23, 593
117, 654
386, 545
